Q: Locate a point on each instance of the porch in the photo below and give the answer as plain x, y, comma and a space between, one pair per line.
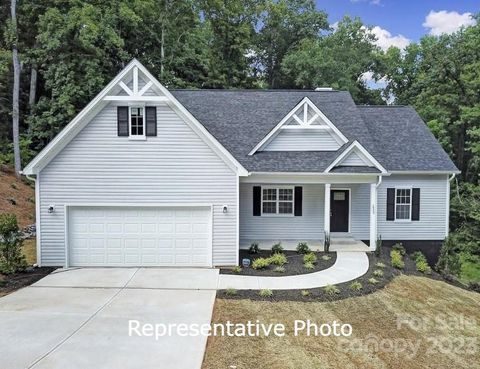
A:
342, 206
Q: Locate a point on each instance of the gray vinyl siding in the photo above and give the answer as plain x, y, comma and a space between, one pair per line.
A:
433, 208
299, 140
353, 159
431, 226
176, 167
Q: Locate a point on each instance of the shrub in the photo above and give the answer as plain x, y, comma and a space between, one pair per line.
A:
326, 257
279, 269
309, 266
261, 263
254, 248
278, 259
399, 247
372, 281
277, 248
378, 273
380, 265
310, 258
266, 293
356, 286
305, 293
378, 246
326, 242
331, 289
230, 291
302, 248
11, 258
418, 256
423, 267
397, 259
237, 269
449, 258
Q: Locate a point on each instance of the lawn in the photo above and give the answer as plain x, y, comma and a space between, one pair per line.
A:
432, 307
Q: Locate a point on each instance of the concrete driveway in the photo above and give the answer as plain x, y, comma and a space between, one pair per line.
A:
80, 319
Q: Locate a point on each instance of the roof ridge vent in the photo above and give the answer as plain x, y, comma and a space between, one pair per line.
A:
317, 89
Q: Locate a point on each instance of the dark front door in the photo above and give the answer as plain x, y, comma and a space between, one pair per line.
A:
339, 208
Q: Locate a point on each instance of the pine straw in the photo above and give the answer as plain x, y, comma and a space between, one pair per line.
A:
373, 315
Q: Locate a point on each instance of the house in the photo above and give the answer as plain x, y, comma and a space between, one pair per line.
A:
145, 176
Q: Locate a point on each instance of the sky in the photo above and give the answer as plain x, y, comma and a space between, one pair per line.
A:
398, 22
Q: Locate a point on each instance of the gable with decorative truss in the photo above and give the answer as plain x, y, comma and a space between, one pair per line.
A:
355, 155
304, 128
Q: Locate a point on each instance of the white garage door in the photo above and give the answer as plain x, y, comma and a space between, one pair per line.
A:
113, 236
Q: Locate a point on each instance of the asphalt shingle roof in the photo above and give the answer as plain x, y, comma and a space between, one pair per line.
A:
240, 119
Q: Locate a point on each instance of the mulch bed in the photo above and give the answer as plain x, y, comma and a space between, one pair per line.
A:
319, 294
12, 282
293, 267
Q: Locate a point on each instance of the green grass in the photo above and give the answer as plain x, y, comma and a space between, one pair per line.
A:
470, 270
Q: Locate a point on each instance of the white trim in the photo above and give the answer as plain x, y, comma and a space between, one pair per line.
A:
356, 145
306, 102
38, 227
135, 80
395, 205
326, 208
66, 235
447, 215
277, 201
373, 216
144, 128
136, 98
349, 206
137, 205
125, 88
145, 88
430, 172
97, 103
237, 253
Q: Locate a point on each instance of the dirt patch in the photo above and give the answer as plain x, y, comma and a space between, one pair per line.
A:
12, 282
17, 196
374, 318
293, 267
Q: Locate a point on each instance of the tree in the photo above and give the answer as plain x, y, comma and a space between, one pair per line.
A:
286, 23
16, 90
339, 60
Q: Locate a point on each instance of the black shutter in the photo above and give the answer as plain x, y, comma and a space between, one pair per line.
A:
390, 204
415, 204
151, 120
257, 200
122, 120
298, 201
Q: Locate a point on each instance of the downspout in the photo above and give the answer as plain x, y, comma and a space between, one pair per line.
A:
37, 216
447, 221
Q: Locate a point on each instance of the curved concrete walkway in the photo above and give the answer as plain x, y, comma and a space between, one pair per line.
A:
348, 266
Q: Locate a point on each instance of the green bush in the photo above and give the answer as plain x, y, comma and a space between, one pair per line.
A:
380, 265
418, 256
254, 248
11, 258
449, 259
302, 248
237, 269
310, 258
305, 293
397, 259
279, 269
399, 247
356, 286
278, 259
326, 257
331, 289
423, 267
309, 266
378, 273
372, 281
266, 293
230, 291
261, 263
277, 248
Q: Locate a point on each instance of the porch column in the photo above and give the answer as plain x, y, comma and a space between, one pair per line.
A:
373, 216
326, 216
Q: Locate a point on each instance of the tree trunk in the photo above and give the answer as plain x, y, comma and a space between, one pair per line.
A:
16, 92
33, 86
162, 41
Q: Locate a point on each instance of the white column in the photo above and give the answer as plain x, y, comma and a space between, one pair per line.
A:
327, 208
373, 216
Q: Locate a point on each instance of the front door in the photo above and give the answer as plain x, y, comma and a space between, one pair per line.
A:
339, 208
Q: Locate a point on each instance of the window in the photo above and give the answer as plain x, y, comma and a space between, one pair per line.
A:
403, 204
277, 201
137, 126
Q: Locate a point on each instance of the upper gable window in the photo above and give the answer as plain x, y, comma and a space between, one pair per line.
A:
137, 122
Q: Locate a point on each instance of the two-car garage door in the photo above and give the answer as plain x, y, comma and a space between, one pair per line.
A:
134, 236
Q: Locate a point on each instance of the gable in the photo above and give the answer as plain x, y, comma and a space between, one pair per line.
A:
355, 159
355, 155
134, 84
304, 128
